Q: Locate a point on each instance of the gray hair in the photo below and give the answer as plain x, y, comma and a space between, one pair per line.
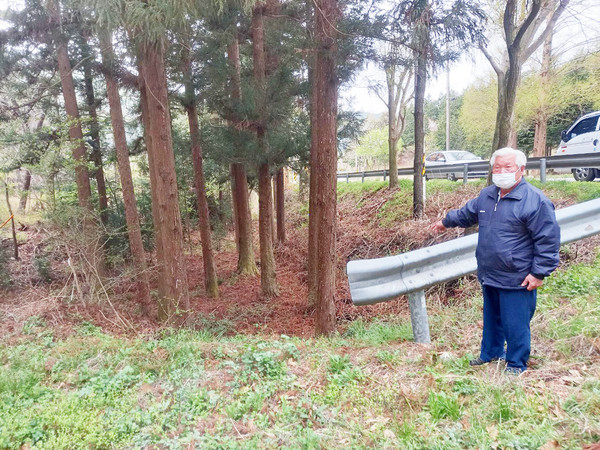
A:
520, 158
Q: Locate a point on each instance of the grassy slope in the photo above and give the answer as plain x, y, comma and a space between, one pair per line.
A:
370, 387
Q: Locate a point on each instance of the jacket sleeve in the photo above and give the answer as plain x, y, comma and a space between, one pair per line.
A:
545, 233
466, 216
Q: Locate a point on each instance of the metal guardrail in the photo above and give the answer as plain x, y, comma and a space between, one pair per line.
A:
551, 162
382, 279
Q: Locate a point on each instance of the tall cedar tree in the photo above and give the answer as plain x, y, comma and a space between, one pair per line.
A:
131, 212
265, 193
274, 12
239, 181
87, 60
82, 179
210, 273
521, 24
313, 219
327, 14
173, 302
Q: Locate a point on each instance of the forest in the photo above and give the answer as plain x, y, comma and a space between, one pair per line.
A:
174, 239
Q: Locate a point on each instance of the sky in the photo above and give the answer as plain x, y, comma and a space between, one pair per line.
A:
578, 31
468, 70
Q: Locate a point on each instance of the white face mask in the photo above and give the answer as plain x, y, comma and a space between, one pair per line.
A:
504, 180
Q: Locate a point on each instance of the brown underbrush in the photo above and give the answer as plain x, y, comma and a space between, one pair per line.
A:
372, 223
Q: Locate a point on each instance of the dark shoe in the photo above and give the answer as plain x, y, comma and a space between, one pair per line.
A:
480, 362
513, 371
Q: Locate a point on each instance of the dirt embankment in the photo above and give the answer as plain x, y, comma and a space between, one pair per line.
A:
372, 224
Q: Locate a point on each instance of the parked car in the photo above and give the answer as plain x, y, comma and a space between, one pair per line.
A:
441, 158
582, 137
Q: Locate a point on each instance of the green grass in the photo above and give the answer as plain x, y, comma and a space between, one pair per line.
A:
370, 386
579, 191
356, 190
555, 189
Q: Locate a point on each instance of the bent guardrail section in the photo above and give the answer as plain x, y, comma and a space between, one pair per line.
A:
378, 280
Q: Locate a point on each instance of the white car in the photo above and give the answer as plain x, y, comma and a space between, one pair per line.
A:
451, 157
582, 137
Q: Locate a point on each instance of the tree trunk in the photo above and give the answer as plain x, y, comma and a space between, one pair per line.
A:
173, 284
153, 183
25, 187
393, 162
82, 180
280, 195
234, 211
210, 273
96, 154
420, 84
273, 202
265, 192
246, 263
521, 41
327, 13
131, 212
313, 218
239, 181
392, 140
268, 281
24, 190
541, 121
302, 184
507, 92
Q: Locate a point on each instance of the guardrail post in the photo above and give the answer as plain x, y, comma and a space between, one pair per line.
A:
363, 177
347, 178
384, 174
543, 170
465, 174
418, 317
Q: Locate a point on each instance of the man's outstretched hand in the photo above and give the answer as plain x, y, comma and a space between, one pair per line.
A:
438, 227
531, 282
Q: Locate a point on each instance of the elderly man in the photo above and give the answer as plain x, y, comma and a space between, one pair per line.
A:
518, 245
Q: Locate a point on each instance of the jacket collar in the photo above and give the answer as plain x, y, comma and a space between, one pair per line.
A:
516, 193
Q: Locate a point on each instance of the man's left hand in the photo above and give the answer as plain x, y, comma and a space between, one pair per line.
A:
531, 282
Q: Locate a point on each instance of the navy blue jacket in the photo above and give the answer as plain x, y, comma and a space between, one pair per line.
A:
518, 234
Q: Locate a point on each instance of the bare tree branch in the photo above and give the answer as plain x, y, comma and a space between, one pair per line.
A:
529, 20
491, 59
508, 25
549, 27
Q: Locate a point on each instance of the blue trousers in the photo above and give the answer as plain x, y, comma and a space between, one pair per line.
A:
506, 317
